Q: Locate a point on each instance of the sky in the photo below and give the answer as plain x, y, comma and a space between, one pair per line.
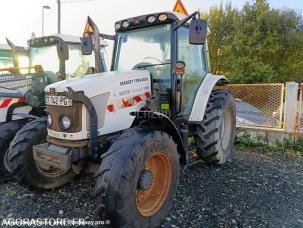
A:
19, 18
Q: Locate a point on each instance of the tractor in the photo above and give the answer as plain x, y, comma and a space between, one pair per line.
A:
22, 88
136, 126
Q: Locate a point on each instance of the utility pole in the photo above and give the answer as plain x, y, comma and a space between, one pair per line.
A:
59, 16
44, 8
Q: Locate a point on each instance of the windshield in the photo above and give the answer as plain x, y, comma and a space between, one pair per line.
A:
48, 58
145, 47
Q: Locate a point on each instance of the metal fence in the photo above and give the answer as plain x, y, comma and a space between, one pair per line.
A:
259, 105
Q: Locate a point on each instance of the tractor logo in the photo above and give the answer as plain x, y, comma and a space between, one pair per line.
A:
52, 91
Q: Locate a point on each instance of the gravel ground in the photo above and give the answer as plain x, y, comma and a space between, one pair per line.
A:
251, 190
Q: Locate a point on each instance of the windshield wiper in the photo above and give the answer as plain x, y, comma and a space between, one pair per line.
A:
149, 65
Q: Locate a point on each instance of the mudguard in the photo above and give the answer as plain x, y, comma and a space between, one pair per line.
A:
202, 96
162, 122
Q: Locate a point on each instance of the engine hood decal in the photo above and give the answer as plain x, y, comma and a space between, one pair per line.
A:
119, 84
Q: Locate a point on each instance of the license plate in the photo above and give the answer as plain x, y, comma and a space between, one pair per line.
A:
58, 100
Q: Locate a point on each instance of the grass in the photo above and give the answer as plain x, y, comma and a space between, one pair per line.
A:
287, 148
10, 192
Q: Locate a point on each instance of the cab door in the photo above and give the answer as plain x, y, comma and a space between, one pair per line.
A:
196, 68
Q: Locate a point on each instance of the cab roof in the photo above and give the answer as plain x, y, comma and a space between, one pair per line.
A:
141, 21
5, 47
63, 37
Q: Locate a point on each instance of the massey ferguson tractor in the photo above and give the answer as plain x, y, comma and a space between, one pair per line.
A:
137, 124
22, 93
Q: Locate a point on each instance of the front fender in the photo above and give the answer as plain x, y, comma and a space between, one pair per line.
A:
202, 96
159, 121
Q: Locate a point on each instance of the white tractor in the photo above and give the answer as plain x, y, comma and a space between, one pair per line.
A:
137, 124
22, 87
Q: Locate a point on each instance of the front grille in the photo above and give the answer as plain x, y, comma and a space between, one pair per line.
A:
74, 113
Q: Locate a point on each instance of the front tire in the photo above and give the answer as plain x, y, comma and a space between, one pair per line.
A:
138, 179
216, 132
22, 164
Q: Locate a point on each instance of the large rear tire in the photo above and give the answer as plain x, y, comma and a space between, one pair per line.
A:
7, 133
138, 179
22, 164
216, 132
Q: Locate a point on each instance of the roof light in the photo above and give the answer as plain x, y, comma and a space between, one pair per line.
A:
117, 26
162, 17
151, 19
125, 24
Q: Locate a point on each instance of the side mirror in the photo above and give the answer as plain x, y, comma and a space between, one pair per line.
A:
63, 51
86, 45
197, 31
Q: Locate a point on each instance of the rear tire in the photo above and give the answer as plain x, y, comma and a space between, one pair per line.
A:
7, 133
130, 190
216, 132
22, 164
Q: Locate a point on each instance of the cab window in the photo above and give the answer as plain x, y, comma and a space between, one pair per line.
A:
78, 65
195, 70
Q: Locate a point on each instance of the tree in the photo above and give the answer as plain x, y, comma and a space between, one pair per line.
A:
257, 43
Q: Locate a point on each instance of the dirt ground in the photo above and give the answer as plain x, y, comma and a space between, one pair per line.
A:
251, 190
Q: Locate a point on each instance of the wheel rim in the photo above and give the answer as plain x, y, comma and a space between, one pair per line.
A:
226, 128
151, 200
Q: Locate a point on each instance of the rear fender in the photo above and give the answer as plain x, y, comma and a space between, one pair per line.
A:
203, 94
19, 110
159, 121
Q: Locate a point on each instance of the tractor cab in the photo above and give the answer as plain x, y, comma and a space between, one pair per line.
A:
12, 57
165, 46
61, 58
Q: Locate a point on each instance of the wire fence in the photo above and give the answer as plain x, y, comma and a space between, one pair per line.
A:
259, 105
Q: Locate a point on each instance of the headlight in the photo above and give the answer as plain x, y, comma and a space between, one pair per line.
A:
162, 17
51, 39
151, 19
65, 123
45, 40
117, 26
125, 24
49, 120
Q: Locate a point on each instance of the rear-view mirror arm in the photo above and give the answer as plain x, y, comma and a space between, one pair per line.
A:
182, 22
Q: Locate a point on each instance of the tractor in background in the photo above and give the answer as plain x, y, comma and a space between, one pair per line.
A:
52, 59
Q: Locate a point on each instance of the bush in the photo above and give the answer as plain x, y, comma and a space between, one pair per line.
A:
287, 148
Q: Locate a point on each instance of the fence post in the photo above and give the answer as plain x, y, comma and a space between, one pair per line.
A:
290, 107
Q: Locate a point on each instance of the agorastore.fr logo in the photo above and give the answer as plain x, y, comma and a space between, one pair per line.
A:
6, 222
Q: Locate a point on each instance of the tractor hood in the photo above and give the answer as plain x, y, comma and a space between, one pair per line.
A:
93, 85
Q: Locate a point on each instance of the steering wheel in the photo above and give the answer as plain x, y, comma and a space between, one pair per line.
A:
145, 62
154, 58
